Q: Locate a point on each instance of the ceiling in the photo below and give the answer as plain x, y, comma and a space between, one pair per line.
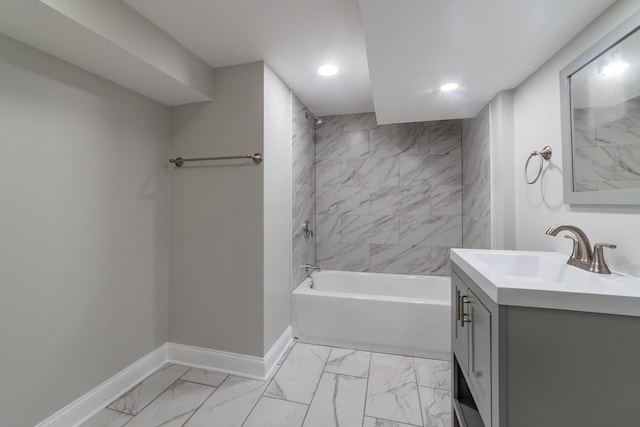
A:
413, 46
294, 37
392, 55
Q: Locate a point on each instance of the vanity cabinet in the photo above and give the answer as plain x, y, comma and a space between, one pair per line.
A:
472, 343
522, 366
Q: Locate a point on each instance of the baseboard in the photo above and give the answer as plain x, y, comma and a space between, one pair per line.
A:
277, 351
231, 363
97, 399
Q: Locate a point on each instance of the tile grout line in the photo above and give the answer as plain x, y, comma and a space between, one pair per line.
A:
196, 382
200, 406
415, 375
134, 386
313, 396
265, 389
392, 421
114, 410
366, 391
152, 400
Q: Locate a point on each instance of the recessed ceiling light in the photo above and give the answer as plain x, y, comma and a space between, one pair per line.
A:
448, 87
328, 70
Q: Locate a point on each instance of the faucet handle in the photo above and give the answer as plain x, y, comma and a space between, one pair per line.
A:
598, 265
575, 253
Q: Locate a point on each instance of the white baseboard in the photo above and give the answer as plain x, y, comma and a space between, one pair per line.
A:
97, 399
277, 351
231, 363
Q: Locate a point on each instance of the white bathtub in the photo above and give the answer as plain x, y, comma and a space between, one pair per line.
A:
388, 313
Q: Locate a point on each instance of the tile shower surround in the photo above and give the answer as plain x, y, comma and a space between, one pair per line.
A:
388, 197
476, 181
304, 190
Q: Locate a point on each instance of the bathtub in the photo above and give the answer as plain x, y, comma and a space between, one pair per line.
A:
387, 313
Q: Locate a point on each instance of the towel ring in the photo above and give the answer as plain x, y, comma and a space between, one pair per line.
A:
545, 154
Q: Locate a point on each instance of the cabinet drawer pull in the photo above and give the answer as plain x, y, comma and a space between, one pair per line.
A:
461, 314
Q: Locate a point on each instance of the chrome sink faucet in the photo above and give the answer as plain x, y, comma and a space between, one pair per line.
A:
582, 256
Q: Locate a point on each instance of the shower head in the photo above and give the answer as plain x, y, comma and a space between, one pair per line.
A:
317, 121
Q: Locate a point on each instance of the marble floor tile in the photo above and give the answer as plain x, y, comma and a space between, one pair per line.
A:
436, 407
107, 418
393, 392
201, 376
348, 362
141, 395
230, 404
299, 374
271, 412
339, 401
312, 386
379, 422
433, 373
173, 407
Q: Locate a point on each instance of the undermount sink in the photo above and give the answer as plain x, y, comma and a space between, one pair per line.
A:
544, 279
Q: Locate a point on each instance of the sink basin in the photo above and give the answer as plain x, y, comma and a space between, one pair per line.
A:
541, 266
544, 279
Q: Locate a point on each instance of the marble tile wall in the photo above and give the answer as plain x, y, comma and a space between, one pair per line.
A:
304, 190
388, 197
607, 147
476, 181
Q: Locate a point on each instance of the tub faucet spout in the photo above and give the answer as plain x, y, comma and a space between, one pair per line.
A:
310, 268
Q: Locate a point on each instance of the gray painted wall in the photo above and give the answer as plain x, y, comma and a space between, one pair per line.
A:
217, 230
277, 207
230, 265
304, 190
84, 220
388, 197
476, 181
537, 118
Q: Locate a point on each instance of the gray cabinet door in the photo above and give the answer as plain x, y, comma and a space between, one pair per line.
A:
460, 340
479, 369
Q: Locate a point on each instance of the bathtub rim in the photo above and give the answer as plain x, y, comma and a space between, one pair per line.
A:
304, 288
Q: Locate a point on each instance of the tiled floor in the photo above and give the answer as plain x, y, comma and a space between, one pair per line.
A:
314, 386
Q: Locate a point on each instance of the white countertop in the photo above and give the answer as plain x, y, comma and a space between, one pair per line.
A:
544, 280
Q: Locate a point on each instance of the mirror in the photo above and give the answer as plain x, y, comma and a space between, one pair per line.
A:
600, 101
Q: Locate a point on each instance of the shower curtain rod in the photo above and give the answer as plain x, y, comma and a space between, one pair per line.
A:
179, 161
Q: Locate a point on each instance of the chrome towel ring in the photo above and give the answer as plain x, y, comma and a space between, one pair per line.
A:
544, 154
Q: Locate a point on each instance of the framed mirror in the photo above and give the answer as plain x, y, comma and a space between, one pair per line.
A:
600, 102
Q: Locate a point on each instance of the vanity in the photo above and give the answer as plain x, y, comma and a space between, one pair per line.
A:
539, 343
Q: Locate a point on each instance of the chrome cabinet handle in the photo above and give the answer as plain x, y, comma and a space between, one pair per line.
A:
462, 315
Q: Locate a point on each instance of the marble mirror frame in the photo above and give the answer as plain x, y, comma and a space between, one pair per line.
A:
603, 197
